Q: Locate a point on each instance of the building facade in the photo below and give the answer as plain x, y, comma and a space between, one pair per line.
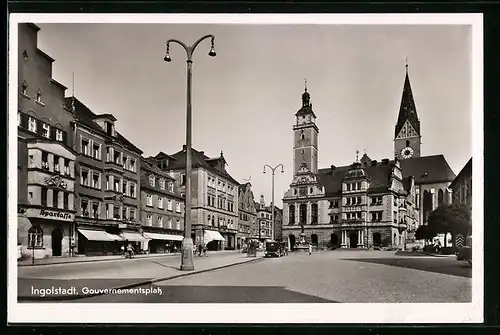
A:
107, 185
278, 224
462, 186
264, 220
214, 197
368, 203
247, 214
162, 208
46, 162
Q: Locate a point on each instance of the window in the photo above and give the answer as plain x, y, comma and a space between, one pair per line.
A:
178, 207
109, 211
109, 154
116, 157
169, 223
32, 124
124, 213
376, 216
132, 165
125, 161
85, 207
59, 135
169, 205
44, 197
95, 209
160, 221
178, 225
132, 214
45, 160
35, 237
85, 147
45, 130
116, 212
132, 190
149, 220
96, 151
117, 185
160, 202
183, 179
151, 180
170, 186
96, 180
107, 182
149, 200
125, 187
66, 200
84, 178
55, 198
162, 183
56, 164
66, 167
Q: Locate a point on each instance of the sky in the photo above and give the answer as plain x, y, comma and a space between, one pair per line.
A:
244, 100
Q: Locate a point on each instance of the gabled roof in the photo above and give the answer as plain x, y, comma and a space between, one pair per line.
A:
379, 176
407, 109
427, 169
85, 116
199, 160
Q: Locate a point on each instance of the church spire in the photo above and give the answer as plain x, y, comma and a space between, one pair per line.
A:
306, 97
407, 109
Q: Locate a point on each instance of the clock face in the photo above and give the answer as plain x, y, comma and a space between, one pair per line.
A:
407, 152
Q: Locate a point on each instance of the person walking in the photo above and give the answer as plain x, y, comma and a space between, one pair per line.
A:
310, 249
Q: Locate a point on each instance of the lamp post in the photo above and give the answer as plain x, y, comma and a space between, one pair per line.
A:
272, 195
187, 243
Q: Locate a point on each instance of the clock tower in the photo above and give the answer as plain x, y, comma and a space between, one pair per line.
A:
305, 139
407, 138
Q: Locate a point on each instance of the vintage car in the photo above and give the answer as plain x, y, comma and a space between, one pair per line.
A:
465, 253
272, 249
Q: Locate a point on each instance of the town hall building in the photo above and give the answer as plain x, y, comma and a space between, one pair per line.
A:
367, 204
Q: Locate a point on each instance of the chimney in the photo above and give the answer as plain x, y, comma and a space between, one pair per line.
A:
385, 161
184, 147
374, 162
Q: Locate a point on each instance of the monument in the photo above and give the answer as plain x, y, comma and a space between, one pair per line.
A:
302, 245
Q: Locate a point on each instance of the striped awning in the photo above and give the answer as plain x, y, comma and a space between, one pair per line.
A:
132, 237
163, 237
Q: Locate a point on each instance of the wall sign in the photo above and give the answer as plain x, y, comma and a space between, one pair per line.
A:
56, 181
48, 214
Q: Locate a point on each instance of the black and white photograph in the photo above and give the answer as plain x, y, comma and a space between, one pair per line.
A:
245, 168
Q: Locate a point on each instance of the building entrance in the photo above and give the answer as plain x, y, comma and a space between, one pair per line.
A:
353, 239
57, 237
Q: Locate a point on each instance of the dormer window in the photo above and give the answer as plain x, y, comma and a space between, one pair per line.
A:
162, 183
59, 135
151, 180
24, 89
32, 124
109, 128
39, 96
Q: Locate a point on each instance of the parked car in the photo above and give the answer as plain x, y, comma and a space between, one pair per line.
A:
465, 253
272, 249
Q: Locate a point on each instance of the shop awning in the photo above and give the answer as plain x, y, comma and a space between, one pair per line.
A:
132, 236
211, 235
99, 235
163, 237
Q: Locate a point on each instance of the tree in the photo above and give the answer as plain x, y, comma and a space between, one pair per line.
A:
454, 219
424, 233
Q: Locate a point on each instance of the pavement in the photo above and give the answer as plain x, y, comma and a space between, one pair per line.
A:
76, 279
356, 276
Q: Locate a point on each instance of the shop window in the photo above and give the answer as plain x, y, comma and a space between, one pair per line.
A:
35, 237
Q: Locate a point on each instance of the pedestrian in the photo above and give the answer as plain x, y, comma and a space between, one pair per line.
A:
310, 249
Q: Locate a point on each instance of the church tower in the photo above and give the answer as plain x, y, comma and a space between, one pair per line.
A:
407, 138
305, 141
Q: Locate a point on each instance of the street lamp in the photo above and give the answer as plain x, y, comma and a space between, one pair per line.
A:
272, 196
187, 243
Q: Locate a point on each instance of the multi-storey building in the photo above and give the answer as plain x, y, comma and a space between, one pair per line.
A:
367, 203
46, 163
278, 224
247, 214
162, 208
107, 185
462, 186
214, 197
264, 220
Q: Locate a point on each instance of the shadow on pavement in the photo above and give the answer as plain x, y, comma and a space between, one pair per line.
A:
211, 294
436, 265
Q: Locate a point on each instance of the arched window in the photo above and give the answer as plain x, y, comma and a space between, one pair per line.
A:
291, 214
440, 197
209, 219
303, 214
151, 180
35, 237
314, 213
427, 205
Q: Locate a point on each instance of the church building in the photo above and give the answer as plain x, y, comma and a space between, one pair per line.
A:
367, 204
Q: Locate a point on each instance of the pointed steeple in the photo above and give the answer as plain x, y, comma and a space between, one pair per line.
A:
306, 103
407, 109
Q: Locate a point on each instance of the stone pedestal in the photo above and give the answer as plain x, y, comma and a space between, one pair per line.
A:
302, 245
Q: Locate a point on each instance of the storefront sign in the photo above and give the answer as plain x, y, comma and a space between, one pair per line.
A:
51, 215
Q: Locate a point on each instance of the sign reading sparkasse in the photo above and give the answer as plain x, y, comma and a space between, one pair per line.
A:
48, 214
